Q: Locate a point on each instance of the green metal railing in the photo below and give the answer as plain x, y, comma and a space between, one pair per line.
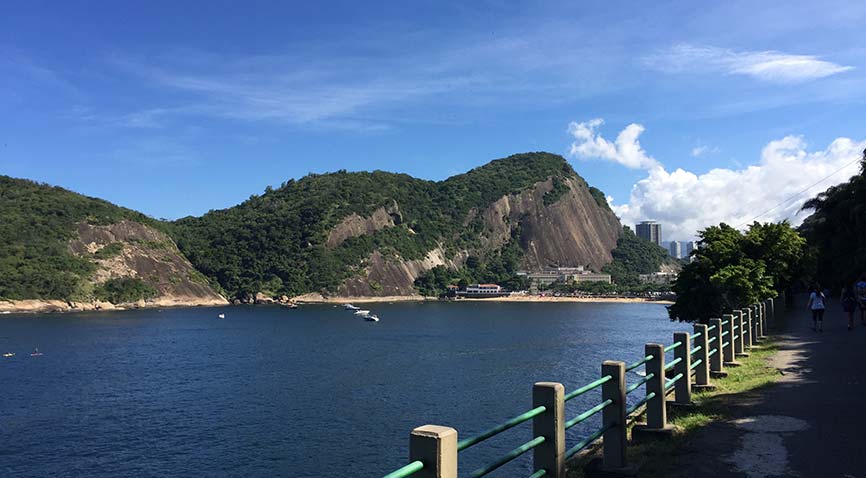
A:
407, 470
588, 387
511, 455
415, 466
639, 363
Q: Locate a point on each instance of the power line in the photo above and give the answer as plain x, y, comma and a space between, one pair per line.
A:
786, 201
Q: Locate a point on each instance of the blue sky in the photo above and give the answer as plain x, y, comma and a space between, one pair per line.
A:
174, 108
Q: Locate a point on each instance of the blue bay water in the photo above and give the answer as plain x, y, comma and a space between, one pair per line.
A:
312, 392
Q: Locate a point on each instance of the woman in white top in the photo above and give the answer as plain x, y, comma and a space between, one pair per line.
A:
816, 303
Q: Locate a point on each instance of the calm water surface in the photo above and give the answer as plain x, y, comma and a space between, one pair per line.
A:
312, 392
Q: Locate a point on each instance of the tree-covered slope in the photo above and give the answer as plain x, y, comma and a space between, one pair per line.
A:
315, 233
38, 223
59, 245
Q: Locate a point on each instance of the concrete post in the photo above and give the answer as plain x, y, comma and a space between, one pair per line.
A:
656, 407
728, 340
683, 387
738, 333
716, 368
436, 447
764, 317
613, 417
771, 304
760, 332
747, 317
702, 371
550, 455
742, 332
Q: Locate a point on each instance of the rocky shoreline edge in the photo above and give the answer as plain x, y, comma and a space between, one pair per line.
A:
35, 306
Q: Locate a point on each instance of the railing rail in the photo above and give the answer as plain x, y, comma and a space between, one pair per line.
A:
694, 358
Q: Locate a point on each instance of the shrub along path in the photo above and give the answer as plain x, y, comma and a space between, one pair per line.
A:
795, 408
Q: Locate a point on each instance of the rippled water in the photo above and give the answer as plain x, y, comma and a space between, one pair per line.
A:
311, 392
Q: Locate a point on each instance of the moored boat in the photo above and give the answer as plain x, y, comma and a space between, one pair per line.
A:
351, 307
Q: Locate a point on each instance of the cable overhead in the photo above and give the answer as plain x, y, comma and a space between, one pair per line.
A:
786, 201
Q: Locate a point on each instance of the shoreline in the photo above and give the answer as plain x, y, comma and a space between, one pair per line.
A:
37, 306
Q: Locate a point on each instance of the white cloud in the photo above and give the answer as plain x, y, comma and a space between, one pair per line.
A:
772, 66
626, 150
703, 149
774, 189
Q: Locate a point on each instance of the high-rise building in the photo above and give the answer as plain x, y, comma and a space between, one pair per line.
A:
690, 246
676, 250
651, 231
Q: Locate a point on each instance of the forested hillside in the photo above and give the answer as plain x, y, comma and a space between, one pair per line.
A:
59, 245
316, 233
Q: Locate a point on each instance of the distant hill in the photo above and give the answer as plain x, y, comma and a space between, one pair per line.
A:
376, 233
339, 234
59, 245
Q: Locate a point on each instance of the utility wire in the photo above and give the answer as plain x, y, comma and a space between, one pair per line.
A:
786, 201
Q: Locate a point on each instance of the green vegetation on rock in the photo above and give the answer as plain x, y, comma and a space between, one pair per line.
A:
38, 223
281, 237
123, 290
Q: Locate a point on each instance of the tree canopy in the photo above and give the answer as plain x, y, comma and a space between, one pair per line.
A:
729, 269
837, 230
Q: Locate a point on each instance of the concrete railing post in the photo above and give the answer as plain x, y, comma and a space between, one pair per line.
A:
550, 455
716, 367
683, 386
702, 371
766, 327
747, 317
613, 417
727, 345
436, 447
656, 407
760, 321
739, 344
738, 333
771, 311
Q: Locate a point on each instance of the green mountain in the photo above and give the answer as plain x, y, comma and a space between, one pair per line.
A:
59, 245
376, 233
338, 234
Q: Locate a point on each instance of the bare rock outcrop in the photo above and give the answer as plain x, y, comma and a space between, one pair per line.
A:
574, 230
354, 225
142, 252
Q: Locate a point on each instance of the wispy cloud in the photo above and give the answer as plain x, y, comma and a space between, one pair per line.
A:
770, 65
704, 149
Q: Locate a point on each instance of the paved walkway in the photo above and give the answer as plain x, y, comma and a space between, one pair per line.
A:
810, 424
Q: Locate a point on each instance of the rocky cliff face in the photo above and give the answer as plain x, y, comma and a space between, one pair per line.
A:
574, 230
141, 252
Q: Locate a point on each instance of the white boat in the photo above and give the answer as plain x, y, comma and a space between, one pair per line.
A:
362, 312
10, 354
351, 307
222, 316
371, 318
36, 352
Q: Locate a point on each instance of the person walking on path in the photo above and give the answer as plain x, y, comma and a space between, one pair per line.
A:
860, 290
816, 304
849, 304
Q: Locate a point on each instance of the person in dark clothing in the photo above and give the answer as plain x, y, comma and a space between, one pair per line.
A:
849, 304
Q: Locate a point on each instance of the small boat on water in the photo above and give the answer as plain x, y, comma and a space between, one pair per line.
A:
36, 352
10, 354
371, 318
291, 305
362, 312
351, 307
222, 316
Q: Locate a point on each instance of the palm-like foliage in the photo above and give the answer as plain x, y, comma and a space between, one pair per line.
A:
837, 229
